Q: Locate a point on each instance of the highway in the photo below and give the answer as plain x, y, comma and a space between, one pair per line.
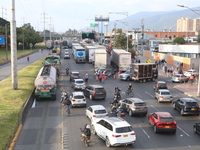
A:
48, 127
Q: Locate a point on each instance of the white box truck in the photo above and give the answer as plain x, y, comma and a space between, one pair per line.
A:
121, 60
100, 59
90, 53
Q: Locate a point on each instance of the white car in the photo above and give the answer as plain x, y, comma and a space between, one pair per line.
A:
66, 50
180, 78
66, 56
78, 99
163, 95
190, 72
96, 111
115, 131
78, 84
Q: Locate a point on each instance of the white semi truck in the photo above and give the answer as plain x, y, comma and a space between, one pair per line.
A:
121, 60
90, 53
100, 59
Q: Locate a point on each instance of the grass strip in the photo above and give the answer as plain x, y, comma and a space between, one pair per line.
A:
12, 101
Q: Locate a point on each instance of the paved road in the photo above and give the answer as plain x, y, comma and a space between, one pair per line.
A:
47, 126
5, 70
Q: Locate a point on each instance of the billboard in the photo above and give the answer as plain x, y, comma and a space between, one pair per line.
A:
2, 40
101, 17
93, 24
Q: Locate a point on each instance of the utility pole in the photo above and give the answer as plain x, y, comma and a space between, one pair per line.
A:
13, 43
50, 27
44, 25
3, 11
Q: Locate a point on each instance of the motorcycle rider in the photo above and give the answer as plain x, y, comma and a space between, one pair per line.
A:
63, 96
120, 113
86, 132
67, 71
117, 92
130, 87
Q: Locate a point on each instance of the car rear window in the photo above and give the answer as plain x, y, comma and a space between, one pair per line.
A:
124, 129
162, 85
75, 74
139, 104
176, 75
79, 82
79, 97
103, 111
195, 104
99, 90
165, 93
166, 119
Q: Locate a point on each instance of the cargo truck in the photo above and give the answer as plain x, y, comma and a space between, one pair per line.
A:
141, 72
79, 54
45, 83
90, 53
121, 60
100, 59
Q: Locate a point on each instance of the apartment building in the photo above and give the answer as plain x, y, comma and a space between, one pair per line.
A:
188, 25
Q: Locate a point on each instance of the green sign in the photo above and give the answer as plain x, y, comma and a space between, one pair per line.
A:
92, 24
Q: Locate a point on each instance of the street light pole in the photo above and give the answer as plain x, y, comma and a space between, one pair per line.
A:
123, 13
6, 41
198, 89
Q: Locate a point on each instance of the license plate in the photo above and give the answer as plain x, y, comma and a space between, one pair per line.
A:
88, 140
79, 101
100, 93
167, 126
120, 78
141, 108
45, 91
125, 135
193, 108
166, 100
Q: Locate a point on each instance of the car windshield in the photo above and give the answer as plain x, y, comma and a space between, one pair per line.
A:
99, 90
103, 111
140, 104
78, 97
166, 119
75, 74
177, 75
165, 93
162, 86
79, 81
192, 104
124, 129
127, 72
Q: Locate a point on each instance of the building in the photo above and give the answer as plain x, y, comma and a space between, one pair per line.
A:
188, 25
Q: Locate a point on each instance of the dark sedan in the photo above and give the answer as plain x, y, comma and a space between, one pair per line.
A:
196, 127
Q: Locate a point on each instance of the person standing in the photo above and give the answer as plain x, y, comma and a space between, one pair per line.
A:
100, 77
103, 78
86, 78
28, 58
191, 79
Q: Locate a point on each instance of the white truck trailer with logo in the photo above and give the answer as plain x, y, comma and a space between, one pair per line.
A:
121, 60
90, 53
100, 59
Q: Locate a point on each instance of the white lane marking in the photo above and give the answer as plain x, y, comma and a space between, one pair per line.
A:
154, 108
139, 95
149, 94
144, 132
183, 131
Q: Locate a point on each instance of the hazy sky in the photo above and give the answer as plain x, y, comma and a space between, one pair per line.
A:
61, 15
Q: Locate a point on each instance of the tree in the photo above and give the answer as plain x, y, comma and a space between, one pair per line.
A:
198, 37
179, 40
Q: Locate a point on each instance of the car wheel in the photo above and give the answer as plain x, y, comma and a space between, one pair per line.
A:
172, 81
182, 112
108, 142
130, 113
93, 130
144, 80
174, 106
174, 132
155, 129
195, 129
128, 79
91, 97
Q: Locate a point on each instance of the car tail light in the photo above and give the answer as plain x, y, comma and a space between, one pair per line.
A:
73, 100
133, 133
106, 114
179, 78
84, 99
93, 115
134, 107
116, 135
171, 97
185, 107
94, 92
161, 96
74, 84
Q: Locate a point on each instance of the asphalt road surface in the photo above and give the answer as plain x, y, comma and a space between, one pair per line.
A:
48, 127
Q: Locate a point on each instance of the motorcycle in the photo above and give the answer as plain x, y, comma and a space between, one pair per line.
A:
67, 72
85, 139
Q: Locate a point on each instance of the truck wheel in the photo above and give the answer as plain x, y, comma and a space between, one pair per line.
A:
144, 80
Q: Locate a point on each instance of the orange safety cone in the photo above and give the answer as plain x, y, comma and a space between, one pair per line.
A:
97, 78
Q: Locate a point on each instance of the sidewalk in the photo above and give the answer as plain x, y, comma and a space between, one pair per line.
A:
187, 89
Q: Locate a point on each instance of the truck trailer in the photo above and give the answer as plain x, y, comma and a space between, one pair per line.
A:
100, 59
90, 53
79, 54
121, 60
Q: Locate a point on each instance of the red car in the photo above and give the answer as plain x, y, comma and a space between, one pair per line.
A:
162, 121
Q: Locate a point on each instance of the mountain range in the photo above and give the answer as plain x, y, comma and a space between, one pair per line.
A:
157, 21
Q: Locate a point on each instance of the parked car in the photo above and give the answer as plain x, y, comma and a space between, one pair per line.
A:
115, 131
134, 106
163, 95
66, 50
162, 121
179, 78
96, 111
186, 106
190, 72
95, 92
67, 56
196, 127
75, 75
78, 84
78, 99
160, 85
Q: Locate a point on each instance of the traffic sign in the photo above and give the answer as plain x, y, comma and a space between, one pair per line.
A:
2, 40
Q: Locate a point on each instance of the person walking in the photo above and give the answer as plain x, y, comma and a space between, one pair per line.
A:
103, 78
191, 79
100, 77
28, 58
86, 78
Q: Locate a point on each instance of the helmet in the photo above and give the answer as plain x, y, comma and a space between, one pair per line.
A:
130, 84
88, 126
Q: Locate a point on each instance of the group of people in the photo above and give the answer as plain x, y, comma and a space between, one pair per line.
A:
101, 76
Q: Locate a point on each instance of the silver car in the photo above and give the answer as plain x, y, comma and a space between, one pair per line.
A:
163, 95
179, 78
78, 84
